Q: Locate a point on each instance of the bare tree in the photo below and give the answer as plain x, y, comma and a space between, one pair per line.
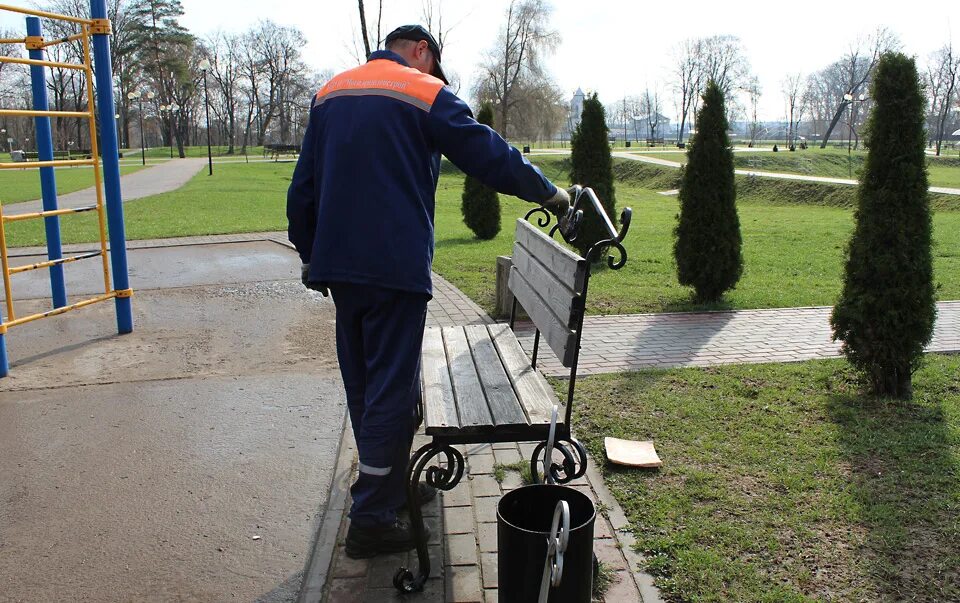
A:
224, 53
853, 73
9, 50
279, 50
794, 93
754, 91
364, 32
515, 64
687, 79
943, 78
651, 109
723, 60
432, 15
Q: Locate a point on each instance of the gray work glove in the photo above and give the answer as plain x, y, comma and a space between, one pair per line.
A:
305, 279
558, 204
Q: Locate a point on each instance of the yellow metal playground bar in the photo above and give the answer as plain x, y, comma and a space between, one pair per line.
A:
97, 72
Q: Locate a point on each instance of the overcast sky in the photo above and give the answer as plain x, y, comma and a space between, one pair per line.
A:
615, 47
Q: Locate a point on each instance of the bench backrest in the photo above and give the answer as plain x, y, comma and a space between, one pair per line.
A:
548, 280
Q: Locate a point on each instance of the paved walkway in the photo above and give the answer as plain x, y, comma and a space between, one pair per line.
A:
634, 342
463, 547
152, 180
779, 175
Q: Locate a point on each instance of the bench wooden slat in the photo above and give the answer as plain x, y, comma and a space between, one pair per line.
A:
568, 267
557, 294
440, 410
561, 339
471, 401
535, 394
504, 406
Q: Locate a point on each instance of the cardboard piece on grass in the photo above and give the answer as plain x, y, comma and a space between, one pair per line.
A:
631, 454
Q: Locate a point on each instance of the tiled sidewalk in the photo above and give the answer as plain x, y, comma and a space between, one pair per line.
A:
463, 545
613, 344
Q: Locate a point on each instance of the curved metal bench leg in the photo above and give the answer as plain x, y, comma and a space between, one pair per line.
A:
443, 478
574, 462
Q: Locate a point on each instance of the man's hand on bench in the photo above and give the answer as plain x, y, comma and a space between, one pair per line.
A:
558, 204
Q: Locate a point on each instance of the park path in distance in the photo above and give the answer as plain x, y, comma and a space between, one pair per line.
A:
780, 175
759, 174
161, 178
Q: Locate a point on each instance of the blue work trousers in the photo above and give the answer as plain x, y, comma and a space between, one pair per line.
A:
379, 335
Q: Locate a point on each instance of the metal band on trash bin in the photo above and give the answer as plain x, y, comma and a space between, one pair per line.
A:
556, 547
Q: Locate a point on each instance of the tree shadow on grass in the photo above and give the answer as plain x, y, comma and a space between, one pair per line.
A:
905, 481
457, 242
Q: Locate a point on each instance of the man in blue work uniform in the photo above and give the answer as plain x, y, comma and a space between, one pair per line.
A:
361, 212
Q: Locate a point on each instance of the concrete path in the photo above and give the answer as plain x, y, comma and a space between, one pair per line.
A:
152, 180
187, 461
633, 342
778, 175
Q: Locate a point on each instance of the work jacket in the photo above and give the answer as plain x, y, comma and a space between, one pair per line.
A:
361, 204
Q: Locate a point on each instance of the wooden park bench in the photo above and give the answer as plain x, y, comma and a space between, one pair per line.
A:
479, 386
276, 150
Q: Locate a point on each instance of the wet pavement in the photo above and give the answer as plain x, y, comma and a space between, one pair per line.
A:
189, 460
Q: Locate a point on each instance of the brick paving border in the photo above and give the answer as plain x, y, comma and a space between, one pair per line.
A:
463, 543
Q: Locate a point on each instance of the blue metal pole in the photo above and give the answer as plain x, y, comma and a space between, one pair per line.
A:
48, 180
109, 150
4, 363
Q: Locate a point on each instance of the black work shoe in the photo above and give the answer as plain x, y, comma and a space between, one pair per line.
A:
427, 493
363, 543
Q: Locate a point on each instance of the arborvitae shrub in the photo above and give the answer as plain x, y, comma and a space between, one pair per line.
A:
591, 166
480, 203
707, 245
887, 309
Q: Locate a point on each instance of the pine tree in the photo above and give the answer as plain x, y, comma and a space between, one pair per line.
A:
592, 166
480, 203
886, 311
165, 48
707, 245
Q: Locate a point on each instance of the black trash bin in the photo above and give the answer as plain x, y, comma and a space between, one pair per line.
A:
526, 148
524, 518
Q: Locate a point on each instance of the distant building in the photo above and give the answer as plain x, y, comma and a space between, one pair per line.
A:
574, 115
576, 107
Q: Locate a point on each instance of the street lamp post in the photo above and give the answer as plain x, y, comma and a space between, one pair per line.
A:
204, 67
138, 96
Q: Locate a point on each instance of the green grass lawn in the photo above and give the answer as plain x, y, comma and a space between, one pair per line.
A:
238, 198
194, 151
24, 185
944, 171
793, 250
784, 483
